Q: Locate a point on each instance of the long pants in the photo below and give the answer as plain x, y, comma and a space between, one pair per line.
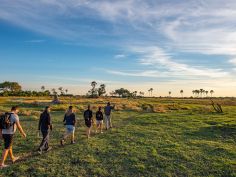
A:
108, 121
45, 141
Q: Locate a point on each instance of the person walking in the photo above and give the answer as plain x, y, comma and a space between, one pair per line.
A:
44, 126
70, 122
9, 123
107, 111
99, 119
88, 115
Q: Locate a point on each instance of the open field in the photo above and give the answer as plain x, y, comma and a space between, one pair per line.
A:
151, 137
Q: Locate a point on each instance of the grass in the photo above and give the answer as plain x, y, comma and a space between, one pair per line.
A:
178, 142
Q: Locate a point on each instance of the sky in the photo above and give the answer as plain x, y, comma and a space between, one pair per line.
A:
167, 45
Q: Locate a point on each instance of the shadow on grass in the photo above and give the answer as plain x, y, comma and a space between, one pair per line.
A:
214, 131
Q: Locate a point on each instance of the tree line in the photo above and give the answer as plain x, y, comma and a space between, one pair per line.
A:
15, 89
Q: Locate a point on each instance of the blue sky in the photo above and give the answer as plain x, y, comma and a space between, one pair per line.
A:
167, 45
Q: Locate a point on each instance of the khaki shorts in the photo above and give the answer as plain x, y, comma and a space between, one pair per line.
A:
99, 121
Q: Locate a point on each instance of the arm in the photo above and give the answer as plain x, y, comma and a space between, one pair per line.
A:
49, 122
40, 121
74, 119
64, 118
0, 133
20, 129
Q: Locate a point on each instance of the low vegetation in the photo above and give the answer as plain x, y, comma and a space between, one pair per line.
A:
151, 137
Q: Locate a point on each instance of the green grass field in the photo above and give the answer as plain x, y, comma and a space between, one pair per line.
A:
151, 137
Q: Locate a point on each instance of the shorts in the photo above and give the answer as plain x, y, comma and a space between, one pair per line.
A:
88, 123
99, 121
8, 140
70, 128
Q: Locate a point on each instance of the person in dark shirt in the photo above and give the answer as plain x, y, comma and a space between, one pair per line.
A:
88, 115
99, 119
44, 126
70, 122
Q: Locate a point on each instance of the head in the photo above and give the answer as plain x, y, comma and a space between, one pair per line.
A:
70, 110
108, 104
89, 107
99, 108
15, 109
47, 109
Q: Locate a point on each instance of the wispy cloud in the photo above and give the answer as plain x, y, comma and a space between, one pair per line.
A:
35, 41
119, 56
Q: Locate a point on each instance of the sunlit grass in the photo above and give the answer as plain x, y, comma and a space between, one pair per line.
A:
187, 139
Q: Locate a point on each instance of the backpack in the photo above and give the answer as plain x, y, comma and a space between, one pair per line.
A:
5, 121
87, 115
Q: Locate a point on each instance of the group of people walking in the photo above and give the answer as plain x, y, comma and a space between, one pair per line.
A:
10, 122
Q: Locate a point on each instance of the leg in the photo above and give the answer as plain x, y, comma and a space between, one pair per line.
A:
110, 121
73, 136
44, 143
107, 122
7, 143
4, 156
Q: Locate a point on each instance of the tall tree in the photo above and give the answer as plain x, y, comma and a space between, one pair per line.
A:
201, 91
10, 86
181, 92
102, 90
61, 90
43, 88
211, 92
169, 93
151, 90
206, 93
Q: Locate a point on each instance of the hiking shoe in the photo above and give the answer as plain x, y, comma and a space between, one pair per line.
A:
62, 142
3, 166
72, 142
15, 159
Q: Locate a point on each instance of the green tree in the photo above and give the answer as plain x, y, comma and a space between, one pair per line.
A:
181, 92
10, 86
43, 88
102, 90
211, 92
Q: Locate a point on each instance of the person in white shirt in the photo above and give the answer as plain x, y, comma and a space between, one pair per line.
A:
7, 135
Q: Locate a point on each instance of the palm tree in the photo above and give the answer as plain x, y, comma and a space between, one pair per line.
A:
169, 93
151, 90
211, 92
181, 92
43, 88
206, 93
66, 90
201, 91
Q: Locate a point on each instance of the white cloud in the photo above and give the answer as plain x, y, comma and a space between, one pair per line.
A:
119, 56
36, 41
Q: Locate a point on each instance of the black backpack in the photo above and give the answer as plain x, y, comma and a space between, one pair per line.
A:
5, 121
87, 115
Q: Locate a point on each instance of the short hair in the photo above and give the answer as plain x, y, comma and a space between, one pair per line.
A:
70, 107
14, 108
47, 107
108, 103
